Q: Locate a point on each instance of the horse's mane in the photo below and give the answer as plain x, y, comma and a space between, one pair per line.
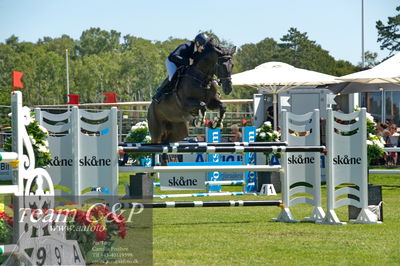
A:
212, 45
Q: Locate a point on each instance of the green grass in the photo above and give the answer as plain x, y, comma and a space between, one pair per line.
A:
246, 236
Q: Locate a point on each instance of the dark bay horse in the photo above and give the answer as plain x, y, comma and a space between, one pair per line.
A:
195, 92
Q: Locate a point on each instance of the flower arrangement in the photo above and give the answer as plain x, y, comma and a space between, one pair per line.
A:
6, 223
375, 144
38, 136
265, 133
99, 223
139, 134
87, 225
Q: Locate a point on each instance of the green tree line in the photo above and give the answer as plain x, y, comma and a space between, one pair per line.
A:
104, 61
133, 67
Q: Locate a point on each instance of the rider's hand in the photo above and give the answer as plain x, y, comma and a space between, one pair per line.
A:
190, 61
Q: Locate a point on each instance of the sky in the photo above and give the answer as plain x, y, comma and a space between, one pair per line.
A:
333, 24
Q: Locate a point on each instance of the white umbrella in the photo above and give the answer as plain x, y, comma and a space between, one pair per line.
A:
277, 77
386, 72
384, 76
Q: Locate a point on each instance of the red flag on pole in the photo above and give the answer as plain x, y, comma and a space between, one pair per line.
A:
111, 97
73, 98
16, 80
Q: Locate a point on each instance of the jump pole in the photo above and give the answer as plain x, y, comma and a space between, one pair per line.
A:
204, 144
202, 204
216, 149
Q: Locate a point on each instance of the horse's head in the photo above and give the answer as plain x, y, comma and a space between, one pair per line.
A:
224, 68
217, 60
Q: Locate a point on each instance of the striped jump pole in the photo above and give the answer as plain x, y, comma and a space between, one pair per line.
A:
205, 144
6, 157
216, 149
200, 168
194, 204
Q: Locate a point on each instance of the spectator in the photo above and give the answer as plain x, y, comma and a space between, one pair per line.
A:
391, 137
237, 135
270, 115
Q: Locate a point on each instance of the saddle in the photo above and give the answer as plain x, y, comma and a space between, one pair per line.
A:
173, 84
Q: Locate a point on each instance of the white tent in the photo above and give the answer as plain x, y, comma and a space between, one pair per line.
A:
277, 77
382, 77
386, 72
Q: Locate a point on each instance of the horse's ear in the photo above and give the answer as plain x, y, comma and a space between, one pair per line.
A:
233, 50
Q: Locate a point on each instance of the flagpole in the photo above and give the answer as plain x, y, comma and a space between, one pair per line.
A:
362, 35
66, 62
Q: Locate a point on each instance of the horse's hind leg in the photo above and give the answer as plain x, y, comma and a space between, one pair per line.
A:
217, 121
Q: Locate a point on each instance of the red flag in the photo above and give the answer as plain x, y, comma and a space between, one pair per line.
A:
111, 97
73, 98
17, 76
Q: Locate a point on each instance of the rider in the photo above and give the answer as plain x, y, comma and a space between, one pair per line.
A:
183, 55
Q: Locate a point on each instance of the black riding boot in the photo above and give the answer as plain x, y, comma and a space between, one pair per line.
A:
164, 88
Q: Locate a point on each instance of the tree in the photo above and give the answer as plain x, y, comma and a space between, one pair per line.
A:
251, 55
370, 59
389, 35
95, 40
59, 45
302, 52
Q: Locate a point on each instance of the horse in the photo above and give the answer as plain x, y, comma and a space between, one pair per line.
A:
194, 93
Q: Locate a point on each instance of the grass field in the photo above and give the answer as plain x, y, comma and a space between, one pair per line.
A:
246, 236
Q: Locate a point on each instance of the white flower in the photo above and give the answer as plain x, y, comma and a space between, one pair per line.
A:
263, 135
134, 128
369, 142
46, 143
43, 129
43, 149
258, 130
267, 123
33, 141
370, 117
147, 138
269, 134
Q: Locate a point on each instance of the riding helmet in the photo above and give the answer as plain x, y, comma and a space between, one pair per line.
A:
202, 38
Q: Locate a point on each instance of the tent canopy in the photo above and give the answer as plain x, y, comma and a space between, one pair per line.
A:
276, 77
386, 72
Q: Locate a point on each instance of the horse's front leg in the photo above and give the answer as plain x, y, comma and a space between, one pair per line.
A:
217, 122
197, 109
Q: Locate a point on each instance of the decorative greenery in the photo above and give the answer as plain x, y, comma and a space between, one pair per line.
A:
375, 143
87, 225
99, 223
265, 133
6, 223
38, 136
139, 134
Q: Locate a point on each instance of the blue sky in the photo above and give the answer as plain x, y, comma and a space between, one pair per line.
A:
334, 24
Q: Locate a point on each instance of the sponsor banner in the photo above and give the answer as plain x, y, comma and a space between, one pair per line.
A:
249, 135
188, 181
214, 136
5, 171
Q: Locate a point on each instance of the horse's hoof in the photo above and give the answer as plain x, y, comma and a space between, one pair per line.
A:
198, 122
